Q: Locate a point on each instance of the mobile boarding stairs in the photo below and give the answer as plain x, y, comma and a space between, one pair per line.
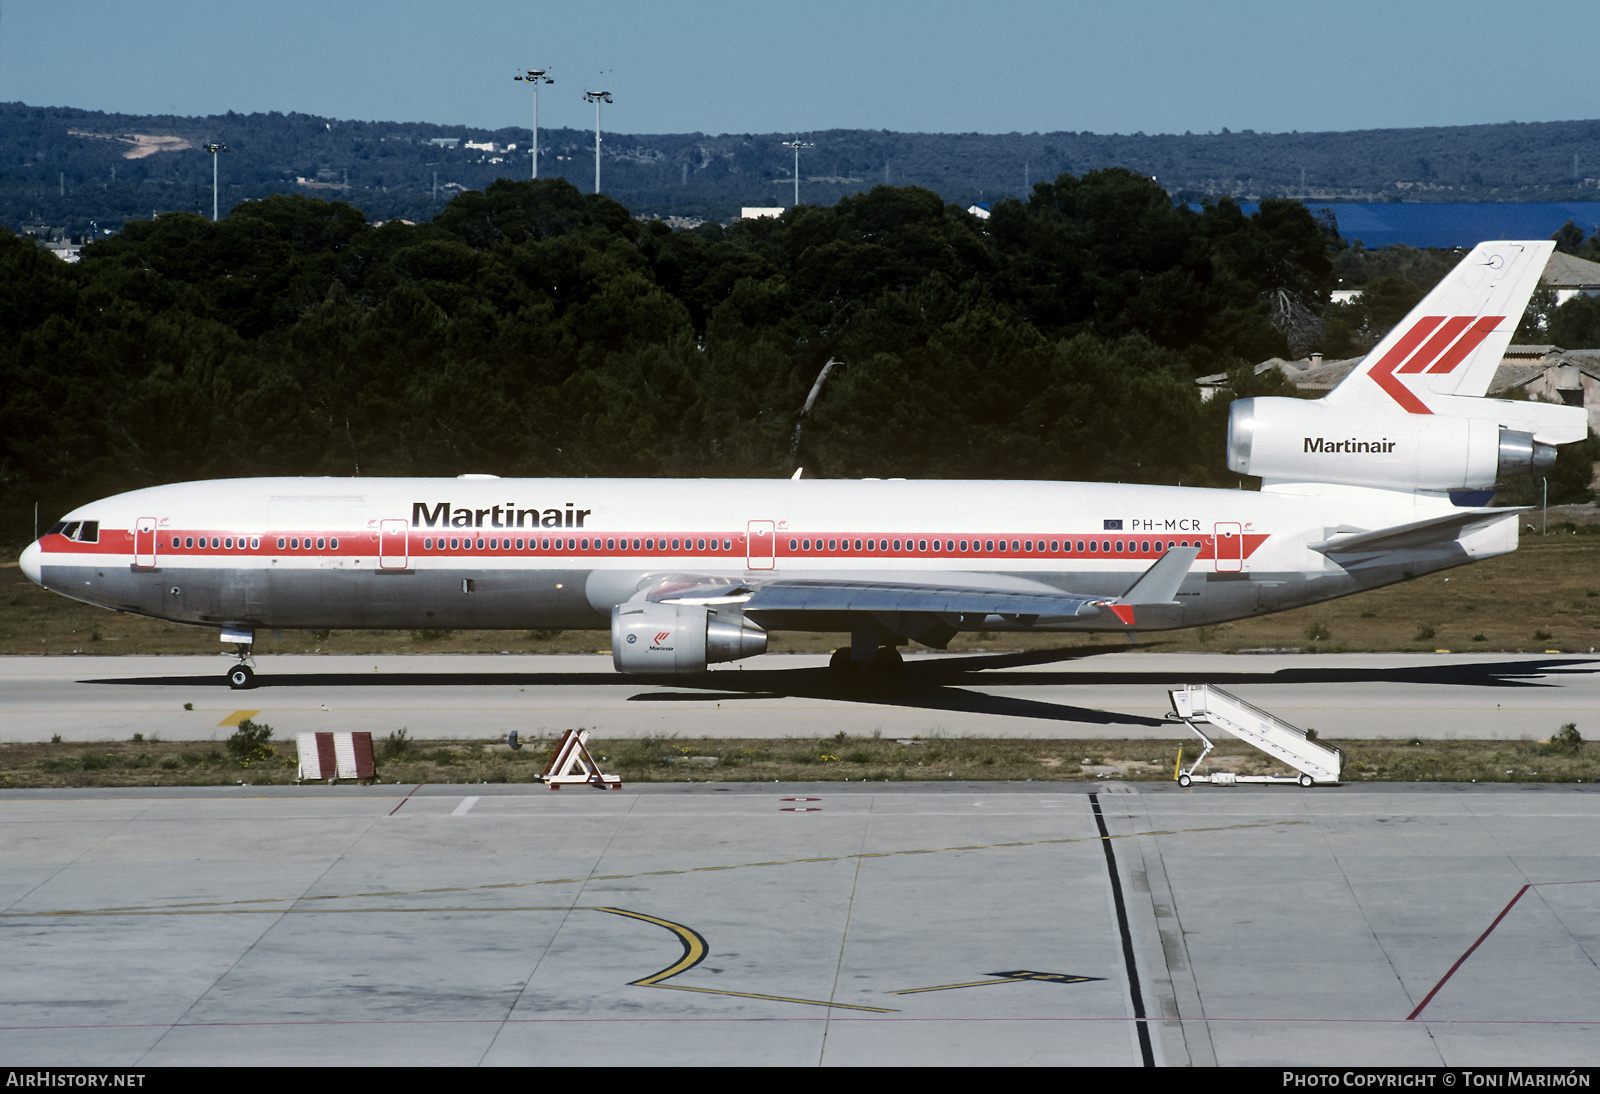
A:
1203, 704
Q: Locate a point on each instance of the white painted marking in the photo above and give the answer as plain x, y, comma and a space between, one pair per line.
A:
464, 808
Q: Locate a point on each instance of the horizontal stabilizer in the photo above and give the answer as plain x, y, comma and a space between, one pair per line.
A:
1416, 534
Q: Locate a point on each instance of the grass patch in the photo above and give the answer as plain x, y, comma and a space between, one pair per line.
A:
1564, 757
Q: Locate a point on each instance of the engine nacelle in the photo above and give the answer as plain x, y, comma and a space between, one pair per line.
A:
680, 638
1301, 440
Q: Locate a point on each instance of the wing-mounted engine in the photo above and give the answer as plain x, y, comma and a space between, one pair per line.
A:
648, 637
1471, 444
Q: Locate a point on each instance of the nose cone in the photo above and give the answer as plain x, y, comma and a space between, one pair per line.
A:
32, 561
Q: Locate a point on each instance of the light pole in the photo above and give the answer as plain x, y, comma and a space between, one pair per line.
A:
797, 145
597, 97
535, 77
214, 149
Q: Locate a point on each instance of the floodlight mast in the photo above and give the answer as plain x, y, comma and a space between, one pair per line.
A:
535, 77
597, 97
797, 145
214, 149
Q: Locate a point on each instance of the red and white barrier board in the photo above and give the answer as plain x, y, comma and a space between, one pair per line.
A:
336, 756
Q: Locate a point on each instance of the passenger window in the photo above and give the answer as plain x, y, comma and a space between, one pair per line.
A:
611, 545
1054, 546
519, 544
858, 545
455, 544
1092, 546
333, 544
1027, 545
988, 545
675, 545
699, 545
1143, 546
255, 543
833, 545
176, 542
228, 543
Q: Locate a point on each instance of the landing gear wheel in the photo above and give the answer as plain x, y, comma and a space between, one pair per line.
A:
887, 661
1306, 780
1184, 780
241, 678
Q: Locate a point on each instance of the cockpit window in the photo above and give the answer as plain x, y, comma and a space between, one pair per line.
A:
90, 532
56, 527
71, 530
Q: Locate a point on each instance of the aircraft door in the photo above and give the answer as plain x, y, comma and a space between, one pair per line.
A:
144, 542
394, 537
761, 545
1228, 548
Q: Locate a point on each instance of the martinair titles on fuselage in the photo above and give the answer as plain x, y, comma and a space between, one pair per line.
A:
500, 516
442, 515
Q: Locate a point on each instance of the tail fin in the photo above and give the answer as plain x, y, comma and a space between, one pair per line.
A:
1413, 416
1451, 343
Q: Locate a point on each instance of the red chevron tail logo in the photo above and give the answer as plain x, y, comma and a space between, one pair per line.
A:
1452, 340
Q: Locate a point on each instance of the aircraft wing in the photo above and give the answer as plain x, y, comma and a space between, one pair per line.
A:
926, 609
891, 596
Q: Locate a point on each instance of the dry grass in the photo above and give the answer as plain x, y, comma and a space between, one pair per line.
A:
831, 759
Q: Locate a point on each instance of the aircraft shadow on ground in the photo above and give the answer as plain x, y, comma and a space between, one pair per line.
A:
944, 683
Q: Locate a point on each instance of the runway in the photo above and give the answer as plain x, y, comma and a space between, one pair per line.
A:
812, 925
1120, 694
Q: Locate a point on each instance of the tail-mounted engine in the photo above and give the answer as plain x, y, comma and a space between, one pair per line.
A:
1301, 440
679, 638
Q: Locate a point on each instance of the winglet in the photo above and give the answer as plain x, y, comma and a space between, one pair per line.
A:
1159, 584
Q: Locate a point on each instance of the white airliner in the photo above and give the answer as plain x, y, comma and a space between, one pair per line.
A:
1380, 481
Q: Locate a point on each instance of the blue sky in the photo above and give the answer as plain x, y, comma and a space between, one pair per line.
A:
717, 66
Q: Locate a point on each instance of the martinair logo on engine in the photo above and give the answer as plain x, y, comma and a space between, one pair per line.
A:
661, 638
1323, 444
1435, 344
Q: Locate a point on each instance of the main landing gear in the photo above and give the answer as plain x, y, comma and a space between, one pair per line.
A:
241, 676
886, 661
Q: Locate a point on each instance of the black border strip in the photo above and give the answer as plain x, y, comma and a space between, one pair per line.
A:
1143, 1026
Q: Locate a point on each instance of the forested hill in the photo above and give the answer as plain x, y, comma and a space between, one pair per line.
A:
64, 168
531, 329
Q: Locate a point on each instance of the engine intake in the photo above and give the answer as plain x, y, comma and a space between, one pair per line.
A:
680, 638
